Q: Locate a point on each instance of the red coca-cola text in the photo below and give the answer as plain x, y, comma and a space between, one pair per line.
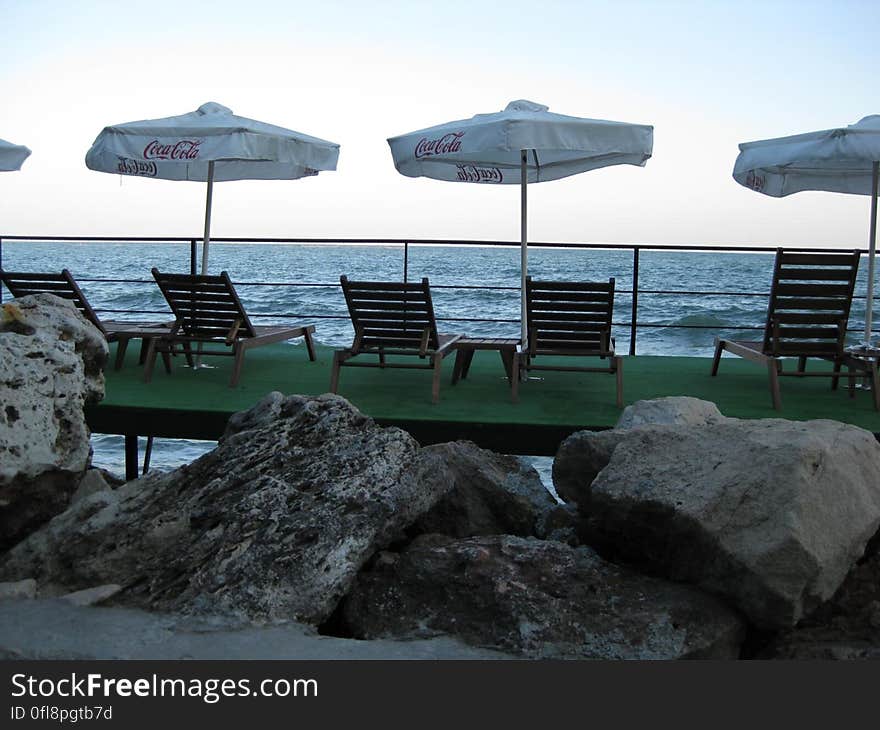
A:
184, 149
444, 145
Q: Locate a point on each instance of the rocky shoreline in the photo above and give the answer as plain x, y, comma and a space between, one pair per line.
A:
310, 529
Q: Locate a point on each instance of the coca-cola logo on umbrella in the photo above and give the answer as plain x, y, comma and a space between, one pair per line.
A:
444, 145
473, 173
184, 149
128, 166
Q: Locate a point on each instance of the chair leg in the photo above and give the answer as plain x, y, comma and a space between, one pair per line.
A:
435, 384
150, 360
773, 372
310, 346
166, 360
802, 364
468, 359
121, 347
875, 385
719, 346
334, 372
514, 378
618, 368
457, 366
239, 363
189, 354
836, 377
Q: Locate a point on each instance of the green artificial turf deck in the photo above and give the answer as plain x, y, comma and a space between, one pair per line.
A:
196, 404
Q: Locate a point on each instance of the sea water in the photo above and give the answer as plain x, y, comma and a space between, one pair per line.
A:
475, 291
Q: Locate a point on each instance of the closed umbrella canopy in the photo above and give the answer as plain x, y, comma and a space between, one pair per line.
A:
841, 160
525, 143
209, 144
12, 156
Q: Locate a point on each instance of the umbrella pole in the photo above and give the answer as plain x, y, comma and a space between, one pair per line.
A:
207, 238
198, 363
524, 250
872, 246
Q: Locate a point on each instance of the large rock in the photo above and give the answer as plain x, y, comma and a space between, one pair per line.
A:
676, 410
536, 599
490, 494
579, 460
847, 626
769, 513
57, 629
584, 454
51, 361
273, 524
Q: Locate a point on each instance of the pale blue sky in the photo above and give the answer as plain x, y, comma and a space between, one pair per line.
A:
707, 75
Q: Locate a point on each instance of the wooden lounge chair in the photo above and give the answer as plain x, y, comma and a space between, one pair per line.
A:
208, 311
393, 319
571, 318
807, 316
63, 285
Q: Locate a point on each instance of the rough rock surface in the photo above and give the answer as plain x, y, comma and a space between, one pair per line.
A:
273, 524
536, 599
491, 494
579, 460
847, 626
55, 629
18, 590
51, 362
769, 513
92, 482
677, 410
584, 454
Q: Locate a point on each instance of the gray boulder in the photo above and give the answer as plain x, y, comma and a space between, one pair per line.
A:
490, 494
51, 361
584, 454
770, 514
536, 599
847, 626
579, 460
677, 410
273, 524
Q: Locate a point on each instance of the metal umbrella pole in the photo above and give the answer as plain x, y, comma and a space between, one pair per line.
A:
872, 246
207, 238
524, 250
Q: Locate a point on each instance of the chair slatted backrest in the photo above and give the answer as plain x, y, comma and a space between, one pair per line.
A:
205, 306
22, 284
810, 301
569, 318
391, 315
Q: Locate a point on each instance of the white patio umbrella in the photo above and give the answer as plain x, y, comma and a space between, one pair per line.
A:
209, 144
12, 156
841, 160
523, 144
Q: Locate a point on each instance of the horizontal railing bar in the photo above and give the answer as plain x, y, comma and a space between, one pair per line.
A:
665, 292
294, 315
427, 242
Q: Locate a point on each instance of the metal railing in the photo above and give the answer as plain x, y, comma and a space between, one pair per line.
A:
633, 323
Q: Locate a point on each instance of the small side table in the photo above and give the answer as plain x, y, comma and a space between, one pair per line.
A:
866, 359
464, 354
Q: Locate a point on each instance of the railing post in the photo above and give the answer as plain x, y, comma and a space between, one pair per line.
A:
192, 256
405, 261
633, 328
